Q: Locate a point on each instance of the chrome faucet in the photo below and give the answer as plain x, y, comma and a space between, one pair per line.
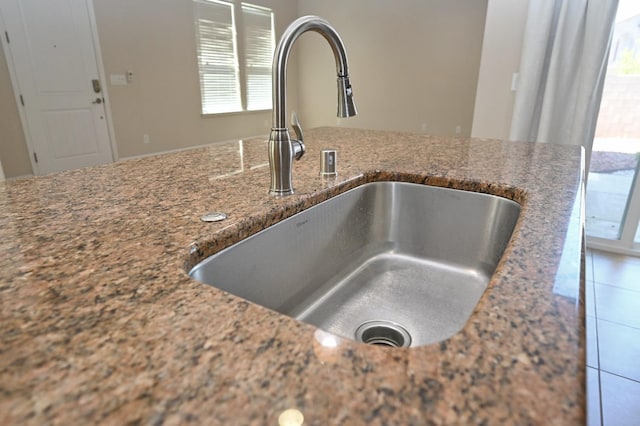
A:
283, 149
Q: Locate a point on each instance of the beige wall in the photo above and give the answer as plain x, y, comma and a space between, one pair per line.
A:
414, 63
414, 66
13, 148
501, 50
155, 39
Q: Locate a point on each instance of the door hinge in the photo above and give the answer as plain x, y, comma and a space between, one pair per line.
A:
21, 100
6, 35
35, 156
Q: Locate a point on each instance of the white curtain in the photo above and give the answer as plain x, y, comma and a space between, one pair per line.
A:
562, 71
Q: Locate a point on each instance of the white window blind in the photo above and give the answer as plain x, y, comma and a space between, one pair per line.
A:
217, 57
220, 39
259, 47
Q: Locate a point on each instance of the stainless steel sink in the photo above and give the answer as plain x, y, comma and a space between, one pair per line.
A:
389, 263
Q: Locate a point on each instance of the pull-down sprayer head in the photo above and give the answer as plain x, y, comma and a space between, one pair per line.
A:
346, 106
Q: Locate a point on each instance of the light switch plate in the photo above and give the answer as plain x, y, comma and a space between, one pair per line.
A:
118, 79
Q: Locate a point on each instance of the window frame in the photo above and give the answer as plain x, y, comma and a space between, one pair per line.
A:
241, 54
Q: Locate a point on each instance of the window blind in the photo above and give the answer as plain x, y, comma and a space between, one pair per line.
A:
259, 42
220, 66
217, 57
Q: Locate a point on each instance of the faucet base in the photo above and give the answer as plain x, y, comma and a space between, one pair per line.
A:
282, 152
277, 193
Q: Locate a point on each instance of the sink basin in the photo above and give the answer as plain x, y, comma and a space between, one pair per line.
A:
388, 263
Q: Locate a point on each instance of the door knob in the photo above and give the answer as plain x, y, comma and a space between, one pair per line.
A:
98, 101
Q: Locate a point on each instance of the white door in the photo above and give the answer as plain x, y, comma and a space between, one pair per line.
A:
51, 47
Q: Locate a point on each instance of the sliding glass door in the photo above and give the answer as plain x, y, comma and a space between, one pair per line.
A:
613, 188
613, 197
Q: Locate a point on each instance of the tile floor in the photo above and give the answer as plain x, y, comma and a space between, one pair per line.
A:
613, 339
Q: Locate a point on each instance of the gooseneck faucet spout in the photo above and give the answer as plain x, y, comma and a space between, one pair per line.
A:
282, 149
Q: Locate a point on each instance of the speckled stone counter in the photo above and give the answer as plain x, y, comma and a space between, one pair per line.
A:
101, 324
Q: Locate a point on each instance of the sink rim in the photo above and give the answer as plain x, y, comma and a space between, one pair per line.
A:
285, 207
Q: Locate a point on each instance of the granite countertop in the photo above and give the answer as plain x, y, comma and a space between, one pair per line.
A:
101, 324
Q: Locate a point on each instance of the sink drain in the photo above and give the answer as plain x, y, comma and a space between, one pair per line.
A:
383, 333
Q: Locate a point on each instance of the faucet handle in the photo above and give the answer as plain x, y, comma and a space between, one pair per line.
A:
295, 124
299, 147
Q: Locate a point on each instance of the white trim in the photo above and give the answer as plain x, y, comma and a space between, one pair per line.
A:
12, 178
630, 222
172, 151
16, 93
240, 113
631, 217
606, 245
103, 80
